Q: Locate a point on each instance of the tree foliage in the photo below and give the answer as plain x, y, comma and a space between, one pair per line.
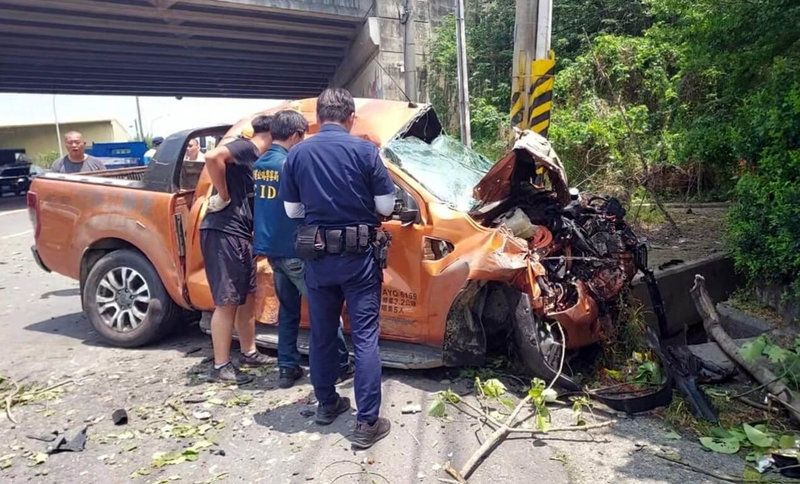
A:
711, 89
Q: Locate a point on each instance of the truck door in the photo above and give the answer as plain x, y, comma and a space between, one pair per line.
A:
402, 312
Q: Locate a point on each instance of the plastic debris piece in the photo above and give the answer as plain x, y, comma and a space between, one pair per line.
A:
119, 417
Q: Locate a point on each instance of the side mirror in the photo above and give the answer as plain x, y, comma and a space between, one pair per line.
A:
409, 216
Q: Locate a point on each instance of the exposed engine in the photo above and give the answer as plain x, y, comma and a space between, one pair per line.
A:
583, 252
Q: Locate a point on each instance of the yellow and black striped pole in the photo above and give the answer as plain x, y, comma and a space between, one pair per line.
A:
540, 95
532, 80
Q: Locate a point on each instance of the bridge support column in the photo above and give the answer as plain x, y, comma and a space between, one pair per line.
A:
374, 65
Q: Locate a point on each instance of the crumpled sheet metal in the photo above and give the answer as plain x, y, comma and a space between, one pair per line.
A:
496, 185
506, 257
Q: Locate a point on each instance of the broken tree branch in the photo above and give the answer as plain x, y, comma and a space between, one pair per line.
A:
10, 400
713, 326
493, 439
564, 429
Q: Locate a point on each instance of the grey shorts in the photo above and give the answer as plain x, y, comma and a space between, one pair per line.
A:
230, 267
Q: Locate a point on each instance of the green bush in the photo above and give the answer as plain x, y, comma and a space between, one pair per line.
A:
46, 159
764, 224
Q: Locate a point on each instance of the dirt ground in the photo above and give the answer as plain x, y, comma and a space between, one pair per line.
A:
258, 433
700, 232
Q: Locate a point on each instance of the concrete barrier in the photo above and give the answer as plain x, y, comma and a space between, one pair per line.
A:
675, 282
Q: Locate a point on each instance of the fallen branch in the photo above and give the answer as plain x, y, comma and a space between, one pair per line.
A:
564, 429
493, 439
10, 398
713, 326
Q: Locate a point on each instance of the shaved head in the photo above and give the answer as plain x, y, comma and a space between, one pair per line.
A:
76, 146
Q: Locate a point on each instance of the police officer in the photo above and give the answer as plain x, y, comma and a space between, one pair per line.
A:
274, 239
338, 182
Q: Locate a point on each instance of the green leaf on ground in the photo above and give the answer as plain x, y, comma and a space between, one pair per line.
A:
787, 442
493, 387
672, 435
758, 437
750, 475
130, 447
648, 372
615, 374
38, 458
144, 471
549, 395
508, 402
776, 354
5, 464
239, 401
751, 351
723, 446
437, 408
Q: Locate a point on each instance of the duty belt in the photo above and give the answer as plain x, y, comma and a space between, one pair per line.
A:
352, 240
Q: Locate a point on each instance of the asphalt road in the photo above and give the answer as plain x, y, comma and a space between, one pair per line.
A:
14, 220
270, 438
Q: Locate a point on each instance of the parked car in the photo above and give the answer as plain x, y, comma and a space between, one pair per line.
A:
15, 171
482, 254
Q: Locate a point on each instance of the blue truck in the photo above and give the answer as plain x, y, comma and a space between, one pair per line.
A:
126, 154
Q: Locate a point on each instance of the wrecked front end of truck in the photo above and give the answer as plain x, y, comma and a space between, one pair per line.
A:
565, 257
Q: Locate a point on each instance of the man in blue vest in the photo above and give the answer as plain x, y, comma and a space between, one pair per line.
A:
337, 182
274, 239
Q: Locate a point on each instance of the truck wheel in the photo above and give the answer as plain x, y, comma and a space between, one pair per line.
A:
125, 301
539, 347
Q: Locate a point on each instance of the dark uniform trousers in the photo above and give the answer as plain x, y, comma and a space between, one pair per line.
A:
332, 280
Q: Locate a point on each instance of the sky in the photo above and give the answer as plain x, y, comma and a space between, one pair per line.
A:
161, 116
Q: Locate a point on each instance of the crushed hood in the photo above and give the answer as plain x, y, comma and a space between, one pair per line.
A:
531, 154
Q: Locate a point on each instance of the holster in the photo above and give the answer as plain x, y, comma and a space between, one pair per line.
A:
308, 243
381, 244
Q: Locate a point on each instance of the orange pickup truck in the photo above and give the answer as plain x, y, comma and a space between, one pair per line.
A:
485, 256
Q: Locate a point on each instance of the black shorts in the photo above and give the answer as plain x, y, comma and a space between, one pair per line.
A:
230, 267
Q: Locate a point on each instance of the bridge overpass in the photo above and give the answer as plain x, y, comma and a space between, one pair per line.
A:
211, 48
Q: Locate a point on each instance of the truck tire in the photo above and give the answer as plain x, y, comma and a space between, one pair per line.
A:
538, 348
126, 302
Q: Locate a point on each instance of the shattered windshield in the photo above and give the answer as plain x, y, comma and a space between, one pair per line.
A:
446, 168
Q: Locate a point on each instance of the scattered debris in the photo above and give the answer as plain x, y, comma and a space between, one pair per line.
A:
45, 437
119, 417
193, 351
411, 409
201, 414
37, 459
76, 444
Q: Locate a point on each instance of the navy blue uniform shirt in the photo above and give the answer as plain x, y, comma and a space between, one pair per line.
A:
274, 230
335, 176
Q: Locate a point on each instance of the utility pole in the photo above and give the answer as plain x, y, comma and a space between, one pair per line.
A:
139, 117
58, 129
409, 50
532, 81
463, 87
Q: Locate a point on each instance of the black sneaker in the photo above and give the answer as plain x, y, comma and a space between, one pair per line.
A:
288, 375
229, 374
365, 435
256, 359
346, 373
326, 414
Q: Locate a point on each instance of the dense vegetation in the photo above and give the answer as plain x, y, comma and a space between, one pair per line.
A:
710, 87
